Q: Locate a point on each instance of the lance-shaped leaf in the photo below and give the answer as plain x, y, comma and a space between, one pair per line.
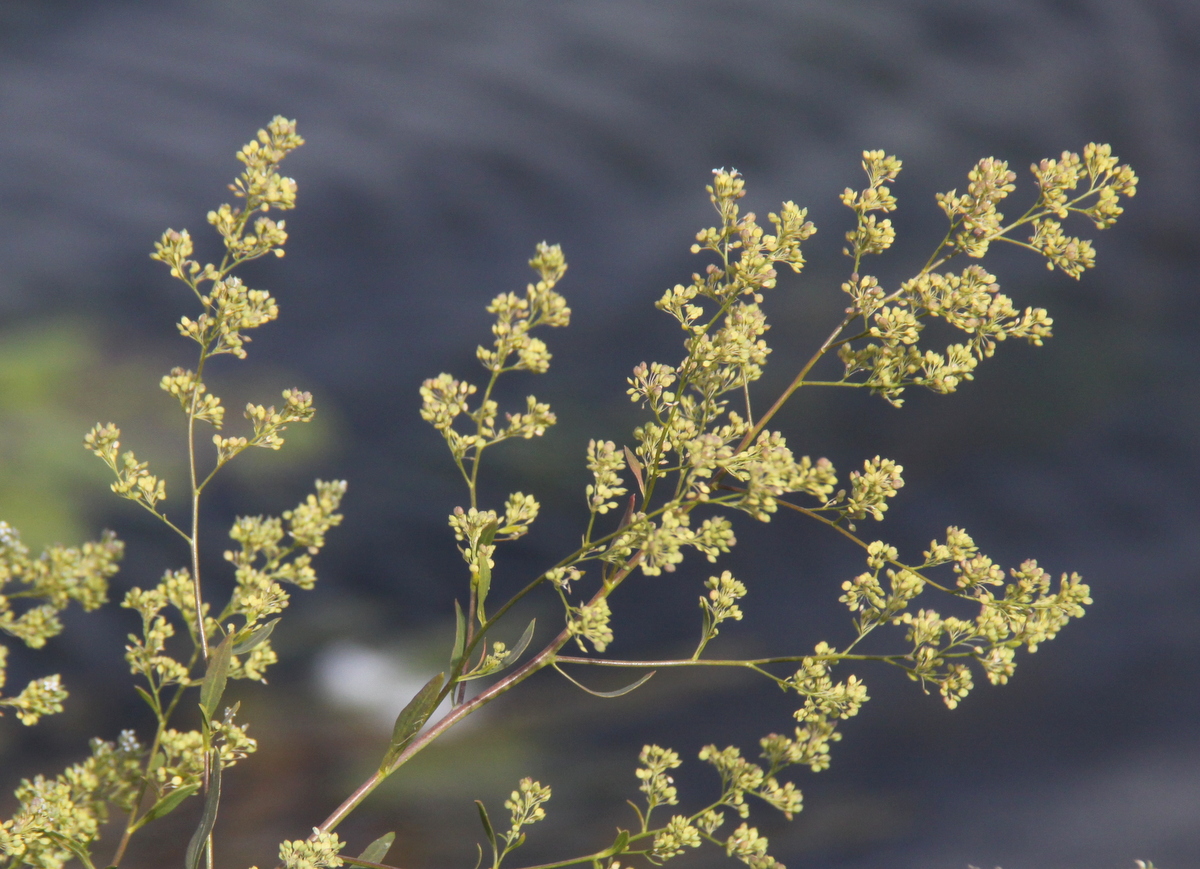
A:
521, 646
256, 638
460, 636
71, 845
145, 695
215, 677
483, 581
412, 718
618, 846
377, 850
487, 824
608, 695
507, 660
195, 849
167, 804
636, 467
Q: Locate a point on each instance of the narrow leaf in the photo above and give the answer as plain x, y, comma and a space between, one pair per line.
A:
487, 823
618, 847
412, 718
636, 467
168, 803
71, 845
460, 635
483, 584
630, 509
256, 638
195, 849
521, 646
146, 696
607, 694
488, 534
215, 677
377, 850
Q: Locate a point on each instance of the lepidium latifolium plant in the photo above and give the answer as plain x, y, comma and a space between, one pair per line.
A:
704, 451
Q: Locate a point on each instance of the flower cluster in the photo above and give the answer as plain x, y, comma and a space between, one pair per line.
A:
48, 584
969, 300
134, 480
445, 399
320, 851
525, 806
58, 819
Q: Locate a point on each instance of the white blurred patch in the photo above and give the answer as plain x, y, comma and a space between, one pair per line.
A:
374, 683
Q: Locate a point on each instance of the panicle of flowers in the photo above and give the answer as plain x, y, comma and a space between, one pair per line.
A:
590, 622
230, 308
654, 775
444, 399
970, 300
740, 777
319, 851
604, 462
1026, 612
525, 805
516, 316
193, 396
720, 604
134, 480
974, 219
673, 839
48, 584
58, 819
872, 235
747, 845
870, 489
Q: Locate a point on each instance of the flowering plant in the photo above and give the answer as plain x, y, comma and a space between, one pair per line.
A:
704, 451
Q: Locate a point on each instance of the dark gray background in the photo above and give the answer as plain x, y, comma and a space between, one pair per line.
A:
444, 140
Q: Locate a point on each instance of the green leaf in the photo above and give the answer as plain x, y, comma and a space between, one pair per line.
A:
71, 845
168, 803
460, 636
483, 583
412, 718
145, 695
608, 695
488, 534
377, 850
195, 849
636, 467
618, 847
215, 677
487, 823
521, 646
256, 638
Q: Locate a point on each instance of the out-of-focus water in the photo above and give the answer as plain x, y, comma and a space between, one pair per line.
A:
444, 140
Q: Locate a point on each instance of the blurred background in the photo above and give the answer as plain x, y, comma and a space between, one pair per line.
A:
445, 139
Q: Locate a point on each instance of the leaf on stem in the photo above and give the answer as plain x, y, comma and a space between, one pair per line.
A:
636, 467
521, 646
145, 695
167, 804
608, 695
618, 847
412, 718
460, 636
487, 823
256, 638
215, 677
377, 850
208, 820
